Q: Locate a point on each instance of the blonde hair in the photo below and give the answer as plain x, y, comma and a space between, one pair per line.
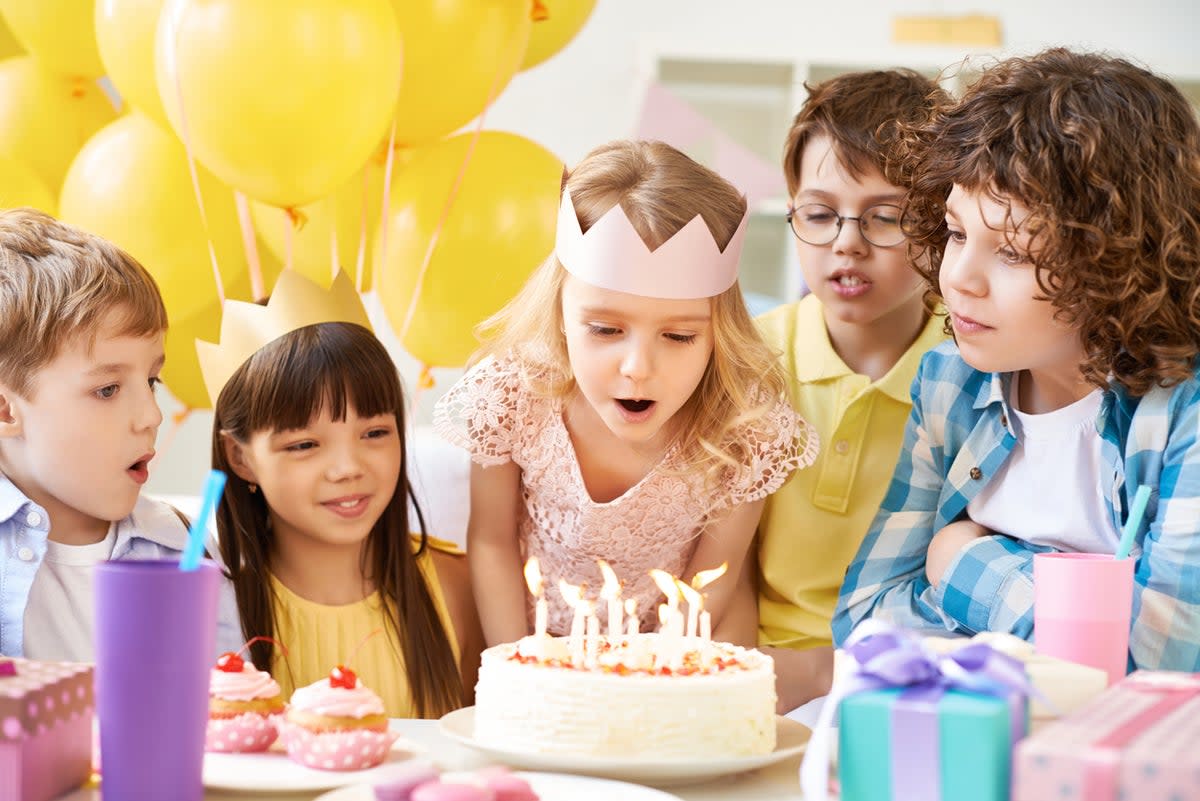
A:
660, 190
58, 283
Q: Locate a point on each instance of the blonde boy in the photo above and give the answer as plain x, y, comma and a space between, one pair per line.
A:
81, 348
851, 348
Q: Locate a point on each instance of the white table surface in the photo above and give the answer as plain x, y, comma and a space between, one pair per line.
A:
778, 782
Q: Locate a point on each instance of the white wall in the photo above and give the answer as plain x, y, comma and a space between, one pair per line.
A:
588, 93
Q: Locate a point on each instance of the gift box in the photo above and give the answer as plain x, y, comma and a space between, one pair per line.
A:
925, 744
1138, 741
1062, 686
45, 728
915, 725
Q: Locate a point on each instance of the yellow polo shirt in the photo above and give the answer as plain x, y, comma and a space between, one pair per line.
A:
812, 527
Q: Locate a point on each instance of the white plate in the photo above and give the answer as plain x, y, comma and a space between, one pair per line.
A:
790, 739
273, 771
548, 786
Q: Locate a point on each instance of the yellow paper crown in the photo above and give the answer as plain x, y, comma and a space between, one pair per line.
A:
296, 302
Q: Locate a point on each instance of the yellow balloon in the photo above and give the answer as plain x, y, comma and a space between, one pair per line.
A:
130, 184
125, 31
349, 212
499, 228
59, 32
458, 54
181, 370
284, 99
46, 118
563, 20
9, 46
20, 187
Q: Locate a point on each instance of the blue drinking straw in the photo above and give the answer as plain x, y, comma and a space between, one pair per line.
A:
1133, 522
194, 549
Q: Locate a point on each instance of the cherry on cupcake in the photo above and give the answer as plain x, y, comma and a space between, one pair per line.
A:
232, 662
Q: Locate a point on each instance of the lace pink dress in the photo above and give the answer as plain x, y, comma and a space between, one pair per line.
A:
655, 523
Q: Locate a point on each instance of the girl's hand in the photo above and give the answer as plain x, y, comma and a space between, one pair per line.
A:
946, 544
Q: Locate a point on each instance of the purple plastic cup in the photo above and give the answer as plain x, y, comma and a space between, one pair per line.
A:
155, 640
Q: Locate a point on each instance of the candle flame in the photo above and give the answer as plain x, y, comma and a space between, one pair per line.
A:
533, 576
705, 577
667, 583
693, 597
612, 586
570, 593
631, 606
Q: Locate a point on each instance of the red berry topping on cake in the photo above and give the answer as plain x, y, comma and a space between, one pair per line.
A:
342, 676
230, 662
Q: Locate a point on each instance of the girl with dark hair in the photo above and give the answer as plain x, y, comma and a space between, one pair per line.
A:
314, 527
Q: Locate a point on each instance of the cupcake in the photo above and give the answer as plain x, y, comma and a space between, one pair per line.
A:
244, 704
336, 724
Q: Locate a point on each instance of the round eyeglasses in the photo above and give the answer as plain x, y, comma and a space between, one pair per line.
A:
818, 224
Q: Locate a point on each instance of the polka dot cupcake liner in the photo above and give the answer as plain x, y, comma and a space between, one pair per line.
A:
350, 749
245, 733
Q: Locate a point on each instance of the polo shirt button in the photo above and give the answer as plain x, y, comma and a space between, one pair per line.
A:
976, 473
34, 519
25, 554
841, 446
1004, 420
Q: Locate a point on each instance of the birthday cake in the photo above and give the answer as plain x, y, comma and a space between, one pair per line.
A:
645, 696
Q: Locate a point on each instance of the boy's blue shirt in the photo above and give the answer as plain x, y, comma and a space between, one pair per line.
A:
957, 437
152, 531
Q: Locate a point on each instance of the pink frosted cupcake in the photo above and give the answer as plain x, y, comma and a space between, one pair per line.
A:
244, 704
336, 724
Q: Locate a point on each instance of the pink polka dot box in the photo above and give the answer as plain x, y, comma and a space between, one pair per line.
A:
45, 728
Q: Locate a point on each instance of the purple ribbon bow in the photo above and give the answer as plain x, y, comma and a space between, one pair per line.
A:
887, 657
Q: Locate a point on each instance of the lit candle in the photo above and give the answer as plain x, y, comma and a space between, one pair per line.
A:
670, 622
592, 649
706, 646
573, 596
533, 580
695, 602
699, 581
632, 622
611, 592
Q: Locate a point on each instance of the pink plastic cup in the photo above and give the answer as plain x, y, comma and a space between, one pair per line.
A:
1082, 604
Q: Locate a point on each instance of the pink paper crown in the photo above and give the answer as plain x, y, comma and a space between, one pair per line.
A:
611, 255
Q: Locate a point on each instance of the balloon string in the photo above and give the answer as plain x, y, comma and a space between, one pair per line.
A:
173, 69
334, 260
381, 256
458, 179
362, 216
177, 420
295, 221
250, 245
425, 383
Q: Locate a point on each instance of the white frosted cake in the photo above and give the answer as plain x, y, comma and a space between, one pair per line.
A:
627, 698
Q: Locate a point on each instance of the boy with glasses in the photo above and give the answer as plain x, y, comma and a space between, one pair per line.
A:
851, 348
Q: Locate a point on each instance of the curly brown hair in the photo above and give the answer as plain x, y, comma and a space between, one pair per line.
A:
1105, 155
861, 112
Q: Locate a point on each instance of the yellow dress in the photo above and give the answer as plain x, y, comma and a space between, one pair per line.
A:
319, 637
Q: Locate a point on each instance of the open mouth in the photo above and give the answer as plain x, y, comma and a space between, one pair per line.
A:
635, 406
139, 471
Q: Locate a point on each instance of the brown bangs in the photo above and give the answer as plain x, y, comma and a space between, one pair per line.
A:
344, 367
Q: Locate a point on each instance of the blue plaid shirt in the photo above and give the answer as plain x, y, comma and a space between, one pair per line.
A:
957, 438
